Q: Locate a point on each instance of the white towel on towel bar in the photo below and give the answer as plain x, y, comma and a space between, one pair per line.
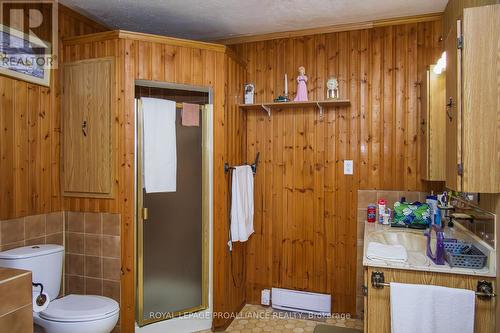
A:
159, 145
242, 203
419, 308
379, 251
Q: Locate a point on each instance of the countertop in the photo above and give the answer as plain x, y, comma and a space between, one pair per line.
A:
7, 274
417, 257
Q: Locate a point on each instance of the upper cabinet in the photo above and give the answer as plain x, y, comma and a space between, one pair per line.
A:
433, 124
473, 115
87, 160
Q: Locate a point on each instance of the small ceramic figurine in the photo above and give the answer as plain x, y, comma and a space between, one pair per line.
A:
301, 86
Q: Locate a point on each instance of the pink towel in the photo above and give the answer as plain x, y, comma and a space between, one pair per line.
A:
190, 114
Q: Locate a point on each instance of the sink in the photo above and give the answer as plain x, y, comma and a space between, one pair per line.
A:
411, 241
415, 244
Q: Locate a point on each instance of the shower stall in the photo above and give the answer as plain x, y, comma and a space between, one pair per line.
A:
174, 228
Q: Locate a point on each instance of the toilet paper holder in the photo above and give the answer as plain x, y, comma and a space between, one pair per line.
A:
42, 298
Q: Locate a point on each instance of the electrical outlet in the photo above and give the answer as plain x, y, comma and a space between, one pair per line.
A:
265, 297
348, 167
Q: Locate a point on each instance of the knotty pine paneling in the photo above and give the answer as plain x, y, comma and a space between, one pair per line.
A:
229, 267
30, 136
305, 207
161, 61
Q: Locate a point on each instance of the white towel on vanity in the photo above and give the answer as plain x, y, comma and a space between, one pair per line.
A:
242, 204
160, 145
379, 251
419, 308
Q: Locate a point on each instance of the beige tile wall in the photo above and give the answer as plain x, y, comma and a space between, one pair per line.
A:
366, 197
92, 246
31, 230
93, 254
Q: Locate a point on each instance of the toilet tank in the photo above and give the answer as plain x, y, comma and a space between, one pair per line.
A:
45, 262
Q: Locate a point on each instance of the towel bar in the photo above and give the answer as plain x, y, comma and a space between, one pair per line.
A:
484, 288
227, 167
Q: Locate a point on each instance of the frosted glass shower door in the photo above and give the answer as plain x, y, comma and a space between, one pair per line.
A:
172, 231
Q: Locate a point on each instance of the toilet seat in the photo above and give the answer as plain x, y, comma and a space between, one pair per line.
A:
80, 308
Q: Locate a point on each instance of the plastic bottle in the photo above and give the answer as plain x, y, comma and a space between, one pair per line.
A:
381, 210
437, 217
371, 213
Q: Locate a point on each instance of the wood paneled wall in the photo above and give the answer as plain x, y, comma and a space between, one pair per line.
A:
29, 142
305, 207
229, 267
145, 57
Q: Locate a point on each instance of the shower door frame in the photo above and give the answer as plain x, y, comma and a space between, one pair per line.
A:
207, 197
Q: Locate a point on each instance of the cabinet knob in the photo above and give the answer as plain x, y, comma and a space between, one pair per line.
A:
449, 107
84, 128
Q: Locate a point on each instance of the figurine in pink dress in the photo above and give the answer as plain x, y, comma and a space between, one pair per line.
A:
301, 86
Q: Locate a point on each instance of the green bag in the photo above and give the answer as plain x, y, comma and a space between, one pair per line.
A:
411, 214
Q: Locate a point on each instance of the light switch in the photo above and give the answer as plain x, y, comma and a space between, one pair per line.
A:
348, 167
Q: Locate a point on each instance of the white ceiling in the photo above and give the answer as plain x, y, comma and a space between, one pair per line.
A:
218, 19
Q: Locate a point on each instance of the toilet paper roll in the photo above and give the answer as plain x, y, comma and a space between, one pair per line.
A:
40, 304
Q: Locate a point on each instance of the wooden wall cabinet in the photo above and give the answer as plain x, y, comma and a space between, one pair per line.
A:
377, 301
433, 126
473, 115
87, 152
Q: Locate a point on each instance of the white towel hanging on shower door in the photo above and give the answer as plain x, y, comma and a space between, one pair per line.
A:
159, 145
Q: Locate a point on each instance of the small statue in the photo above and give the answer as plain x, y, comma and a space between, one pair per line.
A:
301, 86
333, 88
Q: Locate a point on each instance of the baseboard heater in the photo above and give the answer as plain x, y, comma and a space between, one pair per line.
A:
301, 301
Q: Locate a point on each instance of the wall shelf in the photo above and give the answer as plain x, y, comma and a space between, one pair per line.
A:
288, 105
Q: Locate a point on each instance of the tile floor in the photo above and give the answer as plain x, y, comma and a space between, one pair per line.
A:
256, 318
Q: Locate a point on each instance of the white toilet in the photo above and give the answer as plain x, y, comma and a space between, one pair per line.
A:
71, 313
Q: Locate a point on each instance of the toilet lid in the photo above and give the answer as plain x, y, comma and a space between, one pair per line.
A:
73, 308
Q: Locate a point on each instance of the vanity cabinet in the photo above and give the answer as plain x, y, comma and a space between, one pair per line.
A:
16, 307
433, 125
87, 109
472, 112
377, 313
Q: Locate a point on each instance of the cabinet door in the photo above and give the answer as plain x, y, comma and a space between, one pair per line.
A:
424, 126
87, 132
453, 132
432, 126
480, 102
